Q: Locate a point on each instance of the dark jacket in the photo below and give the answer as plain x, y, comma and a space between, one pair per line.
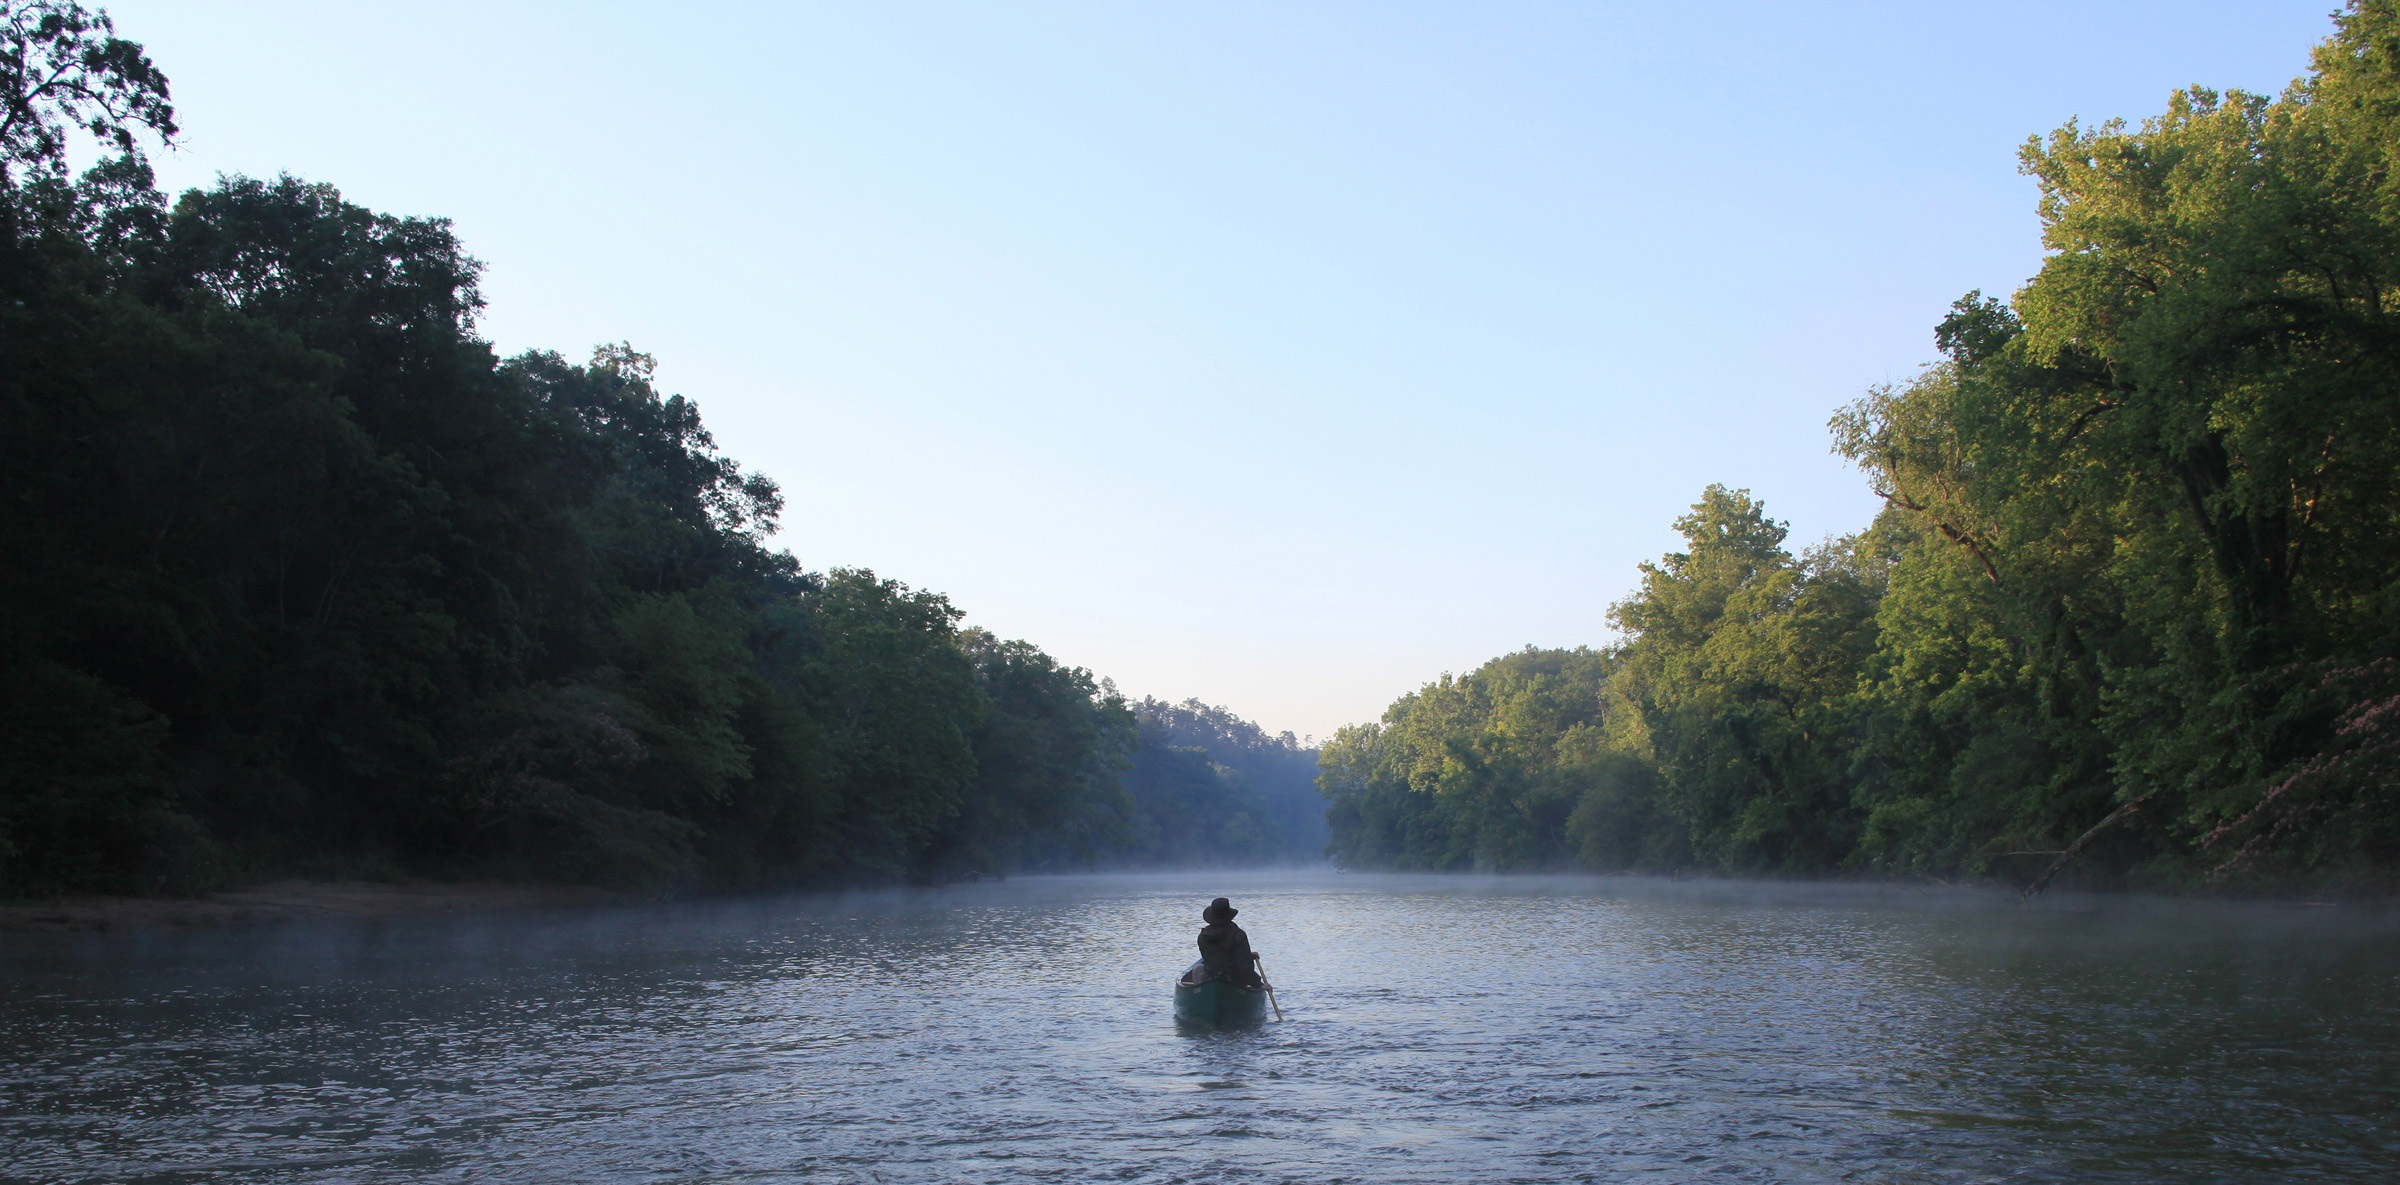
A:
1225, 951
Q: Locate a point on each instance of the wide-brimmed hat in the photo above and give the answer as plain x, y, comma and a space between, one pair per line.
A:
1219, 909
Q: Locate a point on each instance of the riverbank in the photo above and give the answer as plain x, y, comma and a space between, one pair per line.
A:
294, 899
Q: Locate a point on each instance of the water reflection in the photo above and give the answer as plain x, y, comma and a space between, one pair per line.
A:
1439, 1030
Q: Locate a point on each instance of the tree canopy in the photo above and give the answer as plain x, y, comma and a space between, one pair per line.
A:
2133, 605
297, 575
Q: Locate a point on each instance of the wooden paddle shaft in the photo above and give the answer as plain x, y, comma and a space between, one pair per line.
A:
1262, 979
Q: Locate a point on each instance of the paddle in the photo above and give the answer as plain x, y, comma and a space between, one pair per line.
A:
1262, 979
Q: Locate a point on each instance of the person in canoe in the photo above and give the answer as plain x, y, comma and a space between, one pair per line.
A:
1224, 948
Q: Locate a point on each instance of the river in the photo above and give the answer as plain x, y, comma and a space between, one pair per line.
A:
1437, 1030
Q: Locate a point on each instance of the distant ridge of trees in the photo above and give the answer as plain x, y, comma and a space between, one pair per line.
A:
1210, 788
297, 576
2131, 611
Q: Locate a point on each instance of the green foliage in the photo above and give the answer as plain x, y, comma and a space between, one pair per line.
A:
1481, 772
1208, 788
2133, 594
1739, 656
297, 576
1048, 751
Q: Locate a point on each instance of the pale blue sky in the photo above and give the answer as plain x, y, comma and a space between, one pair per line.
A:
1282, 355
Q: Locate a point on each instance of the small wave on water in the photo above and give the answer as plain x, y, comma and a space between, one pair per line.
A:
1438, 1029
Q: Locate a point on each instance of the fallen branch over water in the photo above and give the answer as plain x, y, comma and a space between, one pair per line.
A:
2130, 807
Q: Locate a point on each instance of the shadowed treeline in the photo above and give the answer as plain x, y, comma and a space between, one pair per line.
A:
1211, 788
296, 575
2132, 606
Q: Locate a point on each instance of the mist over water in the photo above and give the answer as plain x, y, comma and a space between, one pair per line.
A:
1440, 1029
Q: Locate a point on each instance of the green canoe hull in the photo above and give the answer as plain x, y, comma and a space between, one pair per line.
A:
1219, 1005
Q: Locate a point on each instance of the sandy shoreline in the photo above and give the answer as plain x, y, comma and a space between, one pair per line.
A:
291, 899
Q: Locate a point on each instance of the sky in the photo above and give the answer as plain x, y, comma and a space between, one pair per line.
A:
1286, 356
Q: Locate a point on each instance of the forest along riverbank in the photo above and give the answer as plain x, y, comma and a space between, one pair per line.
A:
629, 684
1441, 1028
2125, 618
293, 899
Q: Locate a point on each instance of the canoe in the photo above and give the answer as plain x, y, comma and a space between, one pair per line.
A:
1216, 1003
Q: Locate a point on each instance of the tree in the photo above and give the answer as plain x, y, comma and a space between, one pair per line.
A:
64, 69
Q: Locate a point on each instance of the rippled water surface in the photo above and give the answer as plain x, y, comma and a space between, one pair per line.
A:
1438, 1030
